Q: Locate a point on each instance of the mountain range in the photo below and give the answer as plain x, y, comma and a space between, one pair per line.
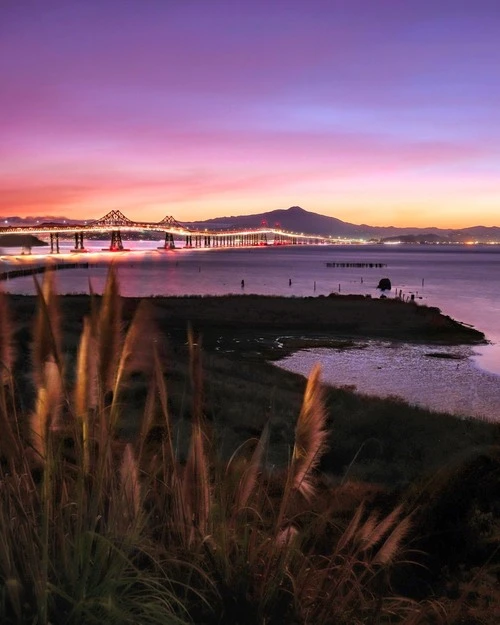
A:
296, 219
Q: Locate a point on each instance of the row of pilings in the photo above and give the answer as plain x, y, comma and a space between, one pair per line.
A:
357, 265
54, 242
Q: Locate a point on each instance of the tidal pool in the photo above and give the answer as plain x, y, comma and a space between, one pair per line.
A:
441, 378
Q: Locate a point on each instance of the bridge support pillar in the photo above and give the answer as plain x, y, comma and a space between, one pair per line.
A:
79, 242
169, 242
116, 241
189, 240
54, 243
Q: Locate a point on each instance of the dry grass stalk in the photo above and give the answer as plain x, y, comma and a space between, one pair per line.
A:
249, 479
351, 529
372, 533
196, 487
47, 337
86, 387
310, 436
367, 531
286, 536
388, 551
130, 486
47, 408
109, 332
135, 354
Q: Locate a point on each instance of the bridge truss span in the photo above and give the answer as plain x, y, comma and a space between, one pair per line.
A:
115, 222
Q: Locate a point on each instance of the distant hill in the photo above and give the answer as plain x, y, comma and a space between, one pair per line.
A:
297, 219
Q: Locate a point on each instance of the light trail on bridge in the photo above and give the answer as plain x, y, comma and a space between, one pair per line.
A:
115, 222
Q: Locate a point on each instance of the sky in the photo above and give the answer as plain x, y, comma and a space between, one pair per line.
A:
384, 112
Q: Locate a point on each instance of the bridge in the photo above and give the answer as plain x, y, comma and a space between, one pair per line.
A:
115, 222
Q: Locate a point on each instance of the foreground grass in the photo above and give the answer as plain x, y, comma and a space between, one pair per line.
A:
132, 493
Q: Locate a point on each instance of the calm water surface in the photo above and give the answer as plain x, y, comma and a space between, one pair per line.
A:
463, 281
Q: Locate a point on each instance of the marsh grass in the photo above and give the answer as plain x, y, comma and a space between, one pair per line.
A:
95, 528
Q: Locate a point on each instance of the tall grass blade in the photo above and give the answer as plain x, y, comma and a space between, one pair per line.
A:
249, 479
392, 544
310, 436
47, 337
196, 486
86, 387
109, 332
135, 354
130, 487
351, 529
372, 533
47, 408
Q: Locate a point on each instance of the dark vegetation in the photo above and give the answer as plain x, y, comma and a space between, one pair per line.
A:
134, 489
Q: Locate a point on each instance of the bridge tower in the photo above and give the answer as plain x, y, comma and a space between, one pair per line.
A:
116, 241
169, 242
113, 219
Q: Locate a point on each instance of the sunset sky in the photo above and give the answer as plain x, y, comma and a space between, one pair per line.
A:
373, 111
